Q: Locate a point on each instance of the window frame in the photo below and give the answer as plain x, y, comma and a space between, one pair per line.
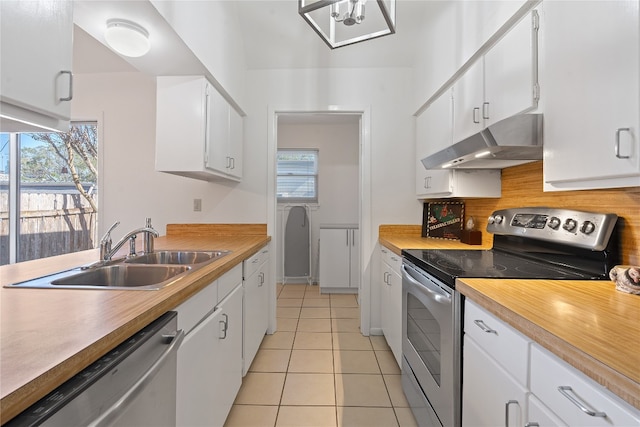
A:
316, 175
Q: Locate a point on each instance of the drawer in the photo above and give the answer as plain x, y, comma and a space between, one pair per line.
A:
252, 264
193, 310
394, 260
229, 281
549, 373
503, 343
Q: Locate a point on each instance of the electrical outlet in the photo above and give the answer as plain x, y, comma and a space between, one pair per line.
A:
197, 205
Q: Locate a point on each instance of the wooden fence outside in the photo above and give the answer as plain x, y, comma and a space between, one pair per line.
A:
50, 224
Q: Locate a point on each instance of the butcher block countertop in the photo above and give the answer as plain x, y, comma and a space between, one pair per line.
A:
49, 335
588, 324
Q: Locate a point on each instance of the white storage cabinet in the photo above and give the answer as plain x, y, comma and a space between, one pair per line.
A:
210, 357
434, 132
36, 83
495, 369
572, 397
198, 133
391, 297
256, 305
339, 258
592, 94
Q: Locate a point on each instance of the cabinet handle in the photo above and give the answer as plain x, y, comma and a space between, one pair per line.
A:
233, 162
70, 97
385, 278
506, 411
261, 275
484, 327
617, 147
427, 182
532, 424
485, 110
565, 389
347, 237
224, 324
476, 114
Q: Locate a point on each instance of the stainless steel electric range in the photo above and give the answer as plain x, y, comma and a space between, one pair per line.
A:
528, 243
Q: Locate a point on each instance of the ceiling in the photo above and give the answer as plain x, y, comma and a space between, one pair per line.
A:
275, 36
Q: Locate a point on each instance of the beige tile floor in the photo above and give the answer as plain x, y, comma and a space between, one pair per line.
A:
319, 370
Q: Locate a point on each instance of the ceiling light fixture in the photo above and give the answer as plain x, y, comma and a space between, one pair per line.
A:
127, 38
342, 22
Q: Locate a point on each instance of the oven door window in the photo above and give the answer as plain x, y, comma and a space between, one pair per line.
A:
424, 332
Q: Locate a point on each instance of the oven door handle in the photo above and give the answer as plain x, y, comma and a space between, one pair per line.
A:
434, 292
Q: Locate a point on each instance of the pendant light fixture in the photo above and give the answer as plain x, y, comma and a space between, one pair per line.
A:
344, 22
127, 38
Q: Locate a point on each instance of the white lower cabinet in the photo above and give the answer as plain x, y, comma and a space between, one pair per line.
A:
541, 416
256, 305
575, 398
210, 357
391, 298
339, 259
490, 396
495, 365
508, 380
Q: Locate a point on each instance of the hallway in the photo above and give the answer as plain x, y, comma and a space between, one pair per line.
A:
318, 370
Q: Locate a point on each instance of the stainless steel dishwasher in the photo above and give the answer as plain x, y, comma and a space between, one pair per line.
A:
132, 385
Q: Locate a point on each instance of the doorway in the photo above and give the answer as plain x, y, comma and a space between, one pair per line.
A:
286, 126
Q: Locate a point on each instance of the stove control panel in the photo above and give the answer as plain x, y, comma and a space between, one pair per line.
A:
589, 230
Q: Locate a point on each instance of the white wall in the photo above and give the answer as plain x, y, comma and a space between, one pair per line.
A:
130, 188
338, 178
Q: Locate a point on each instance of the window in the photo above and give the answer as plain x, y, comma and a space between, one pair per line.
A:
48, 193
297, 176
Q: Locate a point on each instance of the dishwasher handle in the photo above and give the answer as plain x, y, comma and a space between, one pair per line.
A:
110, 414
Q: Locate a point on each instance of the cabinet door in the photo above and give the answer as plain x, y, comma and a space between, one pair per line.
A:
511, 72
490, 396
354, 258
236, 140
435, 183
571, 395
394, 310
434, 132
591, 94
36, 44
256, 313
540, 416
468, 96
334, 257
217, 132
227, 364
196, 374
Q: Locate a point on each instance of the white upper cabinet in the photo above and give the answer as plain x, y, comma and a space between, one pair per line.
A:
434, 132
511, 72
591, 94
198, 133
504, 82
36, 41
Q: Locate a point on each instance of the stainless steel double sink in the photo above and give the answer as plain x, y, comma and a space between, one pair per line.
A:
150, 271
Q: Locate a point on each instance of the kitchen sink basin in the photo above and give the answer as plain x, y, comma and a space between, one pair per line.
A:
119, 276
177, 257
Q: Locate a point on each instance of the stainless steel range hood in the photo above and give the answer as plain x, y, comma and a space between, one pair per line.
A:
509, 142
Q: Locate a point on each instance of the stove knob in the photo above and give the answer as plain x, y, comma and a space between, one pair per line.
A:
554, 223
570, 224
498, 219
588, 227
491, 220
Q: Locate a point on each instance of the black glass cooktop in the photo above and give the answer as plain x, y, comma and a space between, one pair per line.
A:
448, 264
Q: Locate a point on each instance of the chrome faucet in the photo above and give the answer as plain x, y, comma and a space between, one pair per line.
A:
107, 251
